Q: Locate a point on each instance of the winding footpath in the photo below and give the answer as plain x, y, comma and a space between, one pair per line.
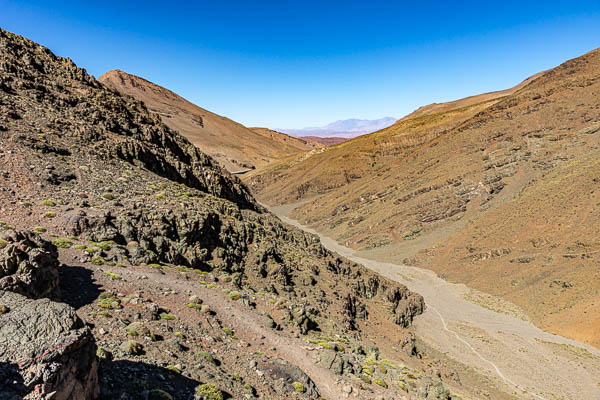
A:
527, 361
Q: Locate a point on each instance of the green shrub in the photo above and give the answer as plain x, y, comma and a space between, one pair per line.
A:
173, 369
97, 260
209, 391
114, 276
207, 356
102, 354
48, 203
228, 332
39, 229
235, 295
131, 347
166, 316
49, 214
62, 243
299, 387
367, 370
380, 382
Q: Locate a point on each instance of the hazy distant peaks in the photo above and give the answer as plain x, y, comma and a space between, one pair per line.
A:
344, 128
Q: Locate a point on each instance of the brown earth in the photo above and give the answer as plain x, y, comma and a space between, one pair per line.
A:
185, 280
499, 193
233, 145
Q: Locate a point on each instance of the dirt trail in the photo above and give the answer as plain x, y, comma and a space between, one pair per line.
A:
250, 326
531, 363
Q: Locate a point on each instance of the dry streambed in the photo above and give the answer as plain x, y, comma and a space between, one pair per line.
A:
530, 362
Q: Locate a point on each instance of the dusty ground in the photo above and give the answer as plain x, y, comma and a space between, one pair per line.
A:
490, 336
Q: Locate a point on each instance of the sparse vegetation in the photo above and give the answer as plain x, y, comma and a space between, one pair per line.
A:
209, 391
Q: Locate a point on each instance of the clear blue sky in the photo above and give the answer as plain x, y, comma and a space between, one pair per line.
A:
292, 64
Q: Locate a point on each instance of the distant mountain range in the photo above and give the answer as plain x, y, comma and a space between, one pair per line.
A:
347, 128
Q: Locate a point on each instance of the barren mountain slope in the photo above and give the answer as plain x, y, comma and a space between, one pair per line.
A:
233, 145
322, 170
471, 190
184, 280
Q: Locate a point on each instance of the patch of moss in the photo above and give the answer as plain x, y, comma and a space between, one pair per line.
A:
49, 214
228, 332
194, 306
209, 392
3, 243
48, 203
179, 335
365, 378
39, 229
79, 246
367, 370
166, 316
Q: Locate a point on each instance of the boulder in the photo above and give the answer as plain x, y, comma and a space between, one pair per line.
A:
46, 351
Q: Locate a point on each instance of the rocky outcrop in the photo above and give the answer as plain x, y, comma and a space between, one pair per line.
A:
117, 127
291, 378
46, 352
28, 264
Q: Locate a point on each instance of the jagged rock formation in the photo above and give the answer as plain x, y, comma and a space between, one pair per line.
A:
28, 264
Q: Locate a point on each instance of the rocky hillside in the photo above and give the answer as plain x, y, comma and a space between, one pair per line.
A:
496, 191
233, 145
168, 269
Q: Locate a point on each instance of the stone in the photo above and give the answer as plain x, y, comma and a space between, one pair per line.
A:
47, 350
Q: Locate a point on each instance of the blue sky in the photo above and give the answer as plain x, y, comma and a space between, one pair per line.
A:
291, 64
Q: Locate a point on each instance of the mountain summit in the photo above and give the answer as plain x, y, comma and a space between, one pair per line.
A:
233, 145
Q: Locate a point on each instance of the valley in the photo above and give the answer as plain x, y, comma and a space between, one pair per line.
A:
489, 336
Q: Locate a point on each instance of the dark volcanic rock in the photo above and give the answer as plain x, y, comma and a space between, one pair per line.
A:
46, 352
28, 264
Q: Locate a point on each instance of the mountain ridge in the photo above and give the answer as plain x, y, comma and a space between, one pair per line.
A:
233, 145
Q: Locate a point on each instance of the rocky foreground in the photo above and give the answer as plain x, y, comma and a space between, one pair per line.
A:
132, 266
